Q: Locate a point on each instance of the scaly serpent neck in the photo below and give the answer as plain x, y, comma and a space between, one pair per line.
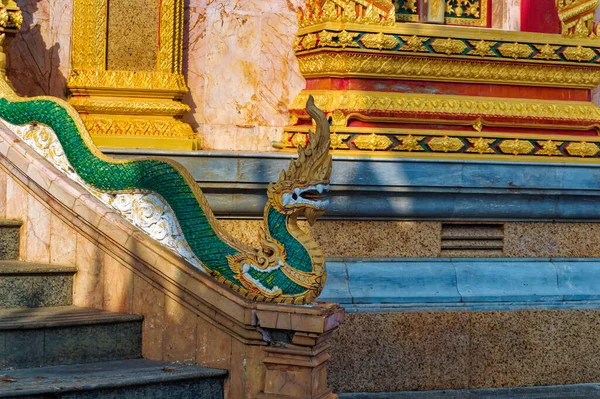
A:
281, 228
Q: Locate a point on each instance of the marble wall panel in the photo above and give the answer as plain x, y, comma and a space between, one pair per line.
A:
3, 181
38, 231
39, 57
88, 285
241, 70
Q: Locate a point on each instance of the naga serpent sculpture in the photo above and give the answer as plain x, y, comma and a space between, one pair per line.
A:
287, 268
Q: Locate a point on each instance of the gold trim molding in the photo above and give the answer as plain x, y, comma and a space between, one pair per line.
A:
346, 64
423, 143
355, 101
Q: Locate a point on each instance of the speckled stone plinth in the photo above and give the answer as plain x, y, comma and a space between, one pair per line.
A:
65, 335
32, 285
9, 239
387, 352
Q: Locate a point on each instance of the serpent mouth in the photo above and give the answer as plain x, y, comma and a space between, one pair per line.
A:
248, 269
312, 195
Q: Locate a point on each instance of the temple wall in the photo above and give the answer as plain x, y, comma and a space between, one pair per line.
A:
239, 64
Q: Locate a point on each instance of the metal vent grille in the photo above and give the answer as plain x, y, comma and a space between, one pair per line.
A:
472, 240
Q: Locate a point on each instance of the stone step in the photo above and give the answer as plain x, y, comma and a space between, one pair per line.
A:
31, 285
131, 379
37, 337
10, 231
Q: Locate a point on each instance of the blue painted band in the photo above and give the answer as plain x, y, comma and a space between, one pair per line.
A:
459, 284
382, 188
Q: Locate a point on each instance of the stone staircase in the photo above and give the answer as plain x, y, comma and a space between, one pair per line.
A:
52, 349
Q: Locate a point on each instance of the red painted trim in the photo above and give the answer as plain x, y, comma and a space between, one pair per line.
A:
448, 88
539, 16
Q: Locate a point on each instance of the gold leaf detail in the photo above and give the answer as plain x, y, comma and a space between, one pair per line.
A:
410, 5
392, 66
582, 149
414, 43
346, 39
579, 54
297, 44
309, 41
549, 148
516, 147
515, 50
445, 144
481, 145
293, 119
300, 139
337, 140
379, 41
482, 48
448, 46
326, 39
372, 142
547, 52
338, 118
409, 143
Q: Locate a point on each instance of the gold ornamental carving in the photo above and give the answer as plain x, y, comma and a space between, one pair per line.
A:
132, 107
367, 12
310, 41
582, 149
445, 144
549, 148
409, 143
300, 140
515, 50
337, 141
547, 52
402, 67
481, 145
338, 118
346, 39
379, 41
516, 147
577, 17
482, 48
579, 54
448, 46
357, 101
373, 142
135, 126
414, 43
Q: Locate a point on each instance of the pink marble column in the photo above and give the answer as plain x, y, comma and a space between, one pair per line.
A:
506, 14
241, 70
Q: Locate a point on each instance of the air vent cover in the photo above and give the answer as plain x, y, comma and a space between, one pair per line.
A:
472, 240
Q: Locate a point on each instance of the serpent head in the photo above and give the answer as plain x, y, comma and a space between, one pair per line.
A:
301, 189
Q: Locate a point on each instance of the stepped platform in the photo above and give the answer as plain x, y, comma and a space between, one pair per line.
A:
48, 336
578, 391
133, 379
